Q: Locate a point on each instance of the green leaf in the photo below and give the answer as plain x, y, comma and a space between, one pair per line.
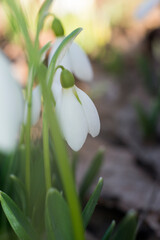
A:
44, 49
43, 13
20, 19
143, 118
5, 167
148, 120
17, 219
127, 228
60, 53
58, 221
91, 172
154, 116
109, 231
91, 204
20, 191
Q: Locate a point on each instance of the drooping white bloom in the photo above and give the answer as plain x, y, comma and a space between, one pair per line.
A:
11, 107
36, 106
145, 7
78, 116
75, 60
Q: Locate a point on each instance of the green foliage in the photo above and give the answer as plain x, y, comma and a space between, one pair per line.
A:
17, 219
91, 173
91, 204
19, 192
5, 166
126, 230
42, 14
144, 66
149, 120
38, 190
44, 49
19, 16
112, 60
109, 231
58, 220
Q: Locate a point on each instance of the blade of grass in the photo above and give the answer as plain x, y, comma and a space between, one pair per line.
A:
91, 172
91, 204
109, 231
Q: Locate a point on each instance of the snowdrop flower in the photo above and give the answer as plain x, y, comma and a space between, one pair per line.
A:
11, 107
75, 61
76, 112
36, 106
145, 7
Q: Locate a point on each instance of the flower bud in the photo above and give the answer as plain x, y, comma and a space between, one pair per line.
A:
57, 27
67, 79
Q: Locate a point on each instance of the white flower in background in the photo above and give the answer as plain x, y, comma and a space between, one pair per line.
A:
76, 112
145, 7
75, 61
36, 106
11, 107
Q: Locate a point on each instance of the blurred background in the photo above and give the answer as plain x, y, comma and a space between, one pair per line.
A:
122, 40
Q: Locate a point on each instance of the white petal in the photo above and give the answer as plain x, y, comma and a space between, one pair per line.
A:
54, 48
11, 107
64, 59
56, 85
66, 62
80, 63
36, 106
145, 7
90, 113
59, 103
72, 119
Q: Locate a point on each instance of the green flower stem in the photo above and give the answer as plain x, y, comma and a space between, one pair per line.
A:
66, 176
21, 139
62, 161
27, 132
46, 153
27, 167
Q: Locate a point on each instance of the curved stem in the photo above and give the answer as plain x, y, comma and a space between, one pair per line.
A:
46, 153
60, 66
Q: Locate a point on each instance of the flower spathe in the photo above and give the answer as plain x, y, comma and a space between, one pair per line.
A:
78, 116
11, 107
75, 61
